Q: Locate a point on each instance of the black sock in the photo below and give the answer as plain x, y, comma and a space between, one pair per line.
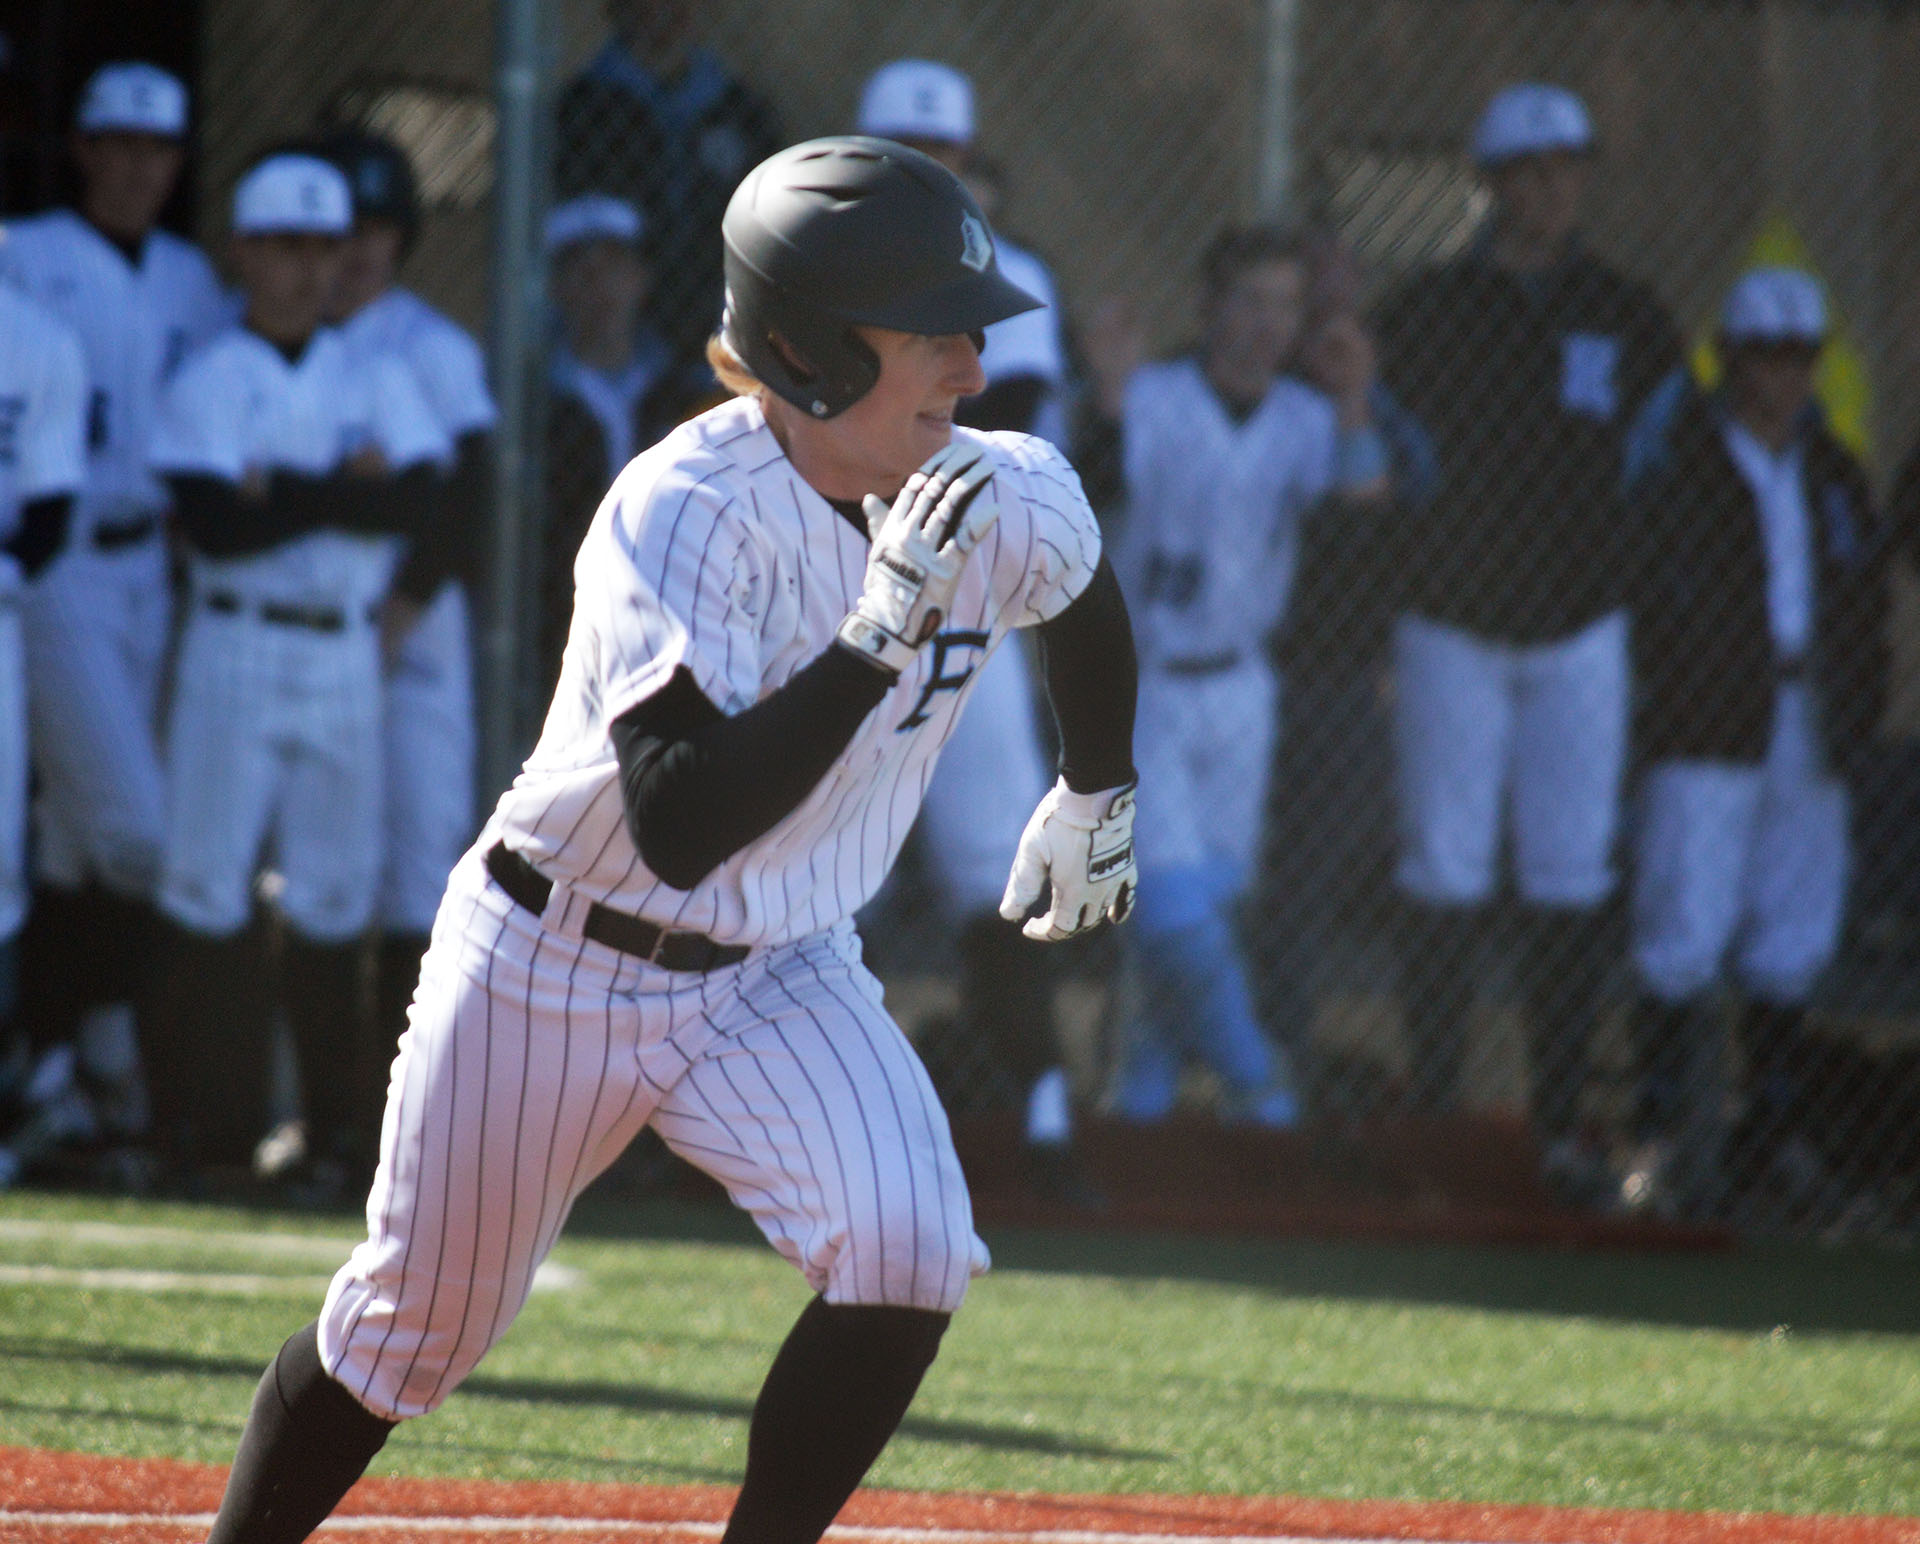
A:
832, 1398
307, 1440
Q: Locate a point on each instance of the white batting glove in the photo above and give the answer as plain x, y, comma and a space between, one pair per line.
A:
920, 547
1082, 845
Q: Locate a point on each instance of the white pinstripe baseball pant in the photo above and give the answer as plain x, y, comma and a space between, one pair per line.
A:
533, 1057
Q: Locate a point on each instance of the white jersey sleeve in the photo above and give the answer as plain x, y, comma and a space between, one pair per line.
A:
49, 440
670, 576
403, 424
1045, 546
453, 376
199, 427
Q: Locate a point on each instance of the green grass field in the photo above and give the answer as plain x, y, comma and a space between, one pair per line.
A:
1782, 1379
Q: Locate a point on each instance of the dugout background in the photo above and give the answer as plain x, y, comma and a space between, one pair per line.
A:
1131, 130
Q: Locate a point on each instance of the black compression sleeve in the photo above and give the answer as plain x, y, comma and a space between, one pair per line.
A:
217, 522
1008, 404
697, 786
1092, 678
444, 545
397, 505
42, 533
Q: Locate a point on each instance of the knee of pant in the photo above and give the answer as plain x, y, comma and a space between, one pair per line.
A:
328, 914
905, 1255
213, 911
1563, 884
1436, 879
1177, 899
1674, 973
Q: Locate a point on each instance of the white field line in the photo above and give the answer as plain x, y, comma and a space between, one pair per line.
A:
123, 1236
513, 1525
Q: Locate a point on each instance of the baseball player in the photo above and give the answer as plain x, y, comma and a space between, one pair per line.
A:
42, 464
1224, 455
139, 299
429, 725
995, 770
293, 462
1524, 362
656, 926
1759, 609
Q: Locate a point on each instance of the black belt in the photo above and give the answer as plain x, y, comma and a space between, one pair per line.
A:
318, 619
111, 535
1202, 664
530, 888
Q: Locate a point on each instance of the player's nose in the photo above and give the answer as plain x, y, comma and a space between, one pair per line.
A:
965, 374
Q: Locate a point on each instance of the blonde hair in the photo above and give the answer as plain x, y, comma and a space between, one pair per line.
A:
731, 369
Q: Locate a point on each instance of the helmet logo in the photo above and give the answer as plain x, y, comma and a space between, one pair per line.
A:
976, 246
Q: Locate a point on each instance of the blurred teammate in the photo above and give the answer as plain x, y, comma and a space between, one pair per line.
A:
664, 123
1224, 454
293, 464
1523, 363
1759, 613
140, 300
994, 769
614, 385
429, 726
42, 464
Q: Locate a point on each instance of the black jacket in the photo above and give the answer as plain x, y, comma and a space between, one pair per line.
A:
677, 150
1703, 646
1525, 389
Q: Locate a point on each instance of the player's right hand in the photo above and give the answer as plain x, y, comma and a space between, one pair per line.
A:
920, 548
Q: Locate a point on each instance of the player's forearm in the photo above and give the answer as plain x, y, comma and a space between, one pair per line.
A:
42, 533
218, 521
443, 546
1092, 681
697, 786
396, 505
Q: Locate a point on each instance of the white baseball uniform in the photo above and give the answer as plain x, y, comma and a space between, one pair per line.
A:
99, 621
1536, 732
42, 455
275, 728
534, 1054
429, 718
1207, 560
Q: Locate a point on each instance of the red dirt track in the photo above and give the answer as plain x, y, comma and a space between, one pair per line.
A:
70, 1498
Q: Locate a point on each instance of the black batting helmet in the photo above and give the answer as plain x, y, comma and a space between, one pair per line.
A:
850, 231
380, 175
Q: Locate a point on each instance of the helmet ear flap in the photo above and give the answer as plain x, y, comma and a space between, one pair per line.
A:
820, 364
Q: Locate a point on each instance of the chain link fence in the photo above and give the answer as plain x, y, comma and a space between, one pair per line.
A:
1461, 891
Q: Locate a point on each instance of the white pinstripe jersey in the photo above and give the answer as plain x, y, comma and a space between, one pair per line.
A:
240, 405
711, 553
42, 414
1212, 533
136, 326
446, 362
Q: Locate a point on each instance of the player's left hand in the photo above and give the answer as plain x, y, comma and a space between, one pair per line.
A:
1081, 844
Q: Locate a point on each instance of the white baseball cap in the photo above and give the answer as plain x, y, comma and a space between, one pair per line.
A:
296, 195
918, 99
593, 217
1775, 305
1531, 119
132, 98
